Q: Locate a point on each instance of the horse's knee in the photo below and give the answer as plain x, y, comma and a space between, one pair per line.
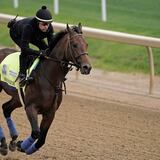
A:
35, 134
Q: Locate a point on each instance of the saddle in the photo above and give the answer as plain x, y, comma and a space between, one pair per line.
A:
9, 69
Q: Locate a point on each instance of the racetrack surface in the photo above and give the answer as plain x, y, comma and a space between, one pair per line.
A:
104, 116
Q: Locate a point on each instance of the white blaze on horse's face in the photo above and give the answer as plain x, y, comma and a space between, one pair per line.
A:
43, 26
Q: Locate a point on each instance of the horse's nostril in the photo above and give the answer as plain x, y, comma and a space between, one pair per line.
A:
85, 67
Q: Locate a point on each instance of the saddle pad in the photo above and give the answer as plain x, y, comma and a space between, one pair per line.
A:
9, 68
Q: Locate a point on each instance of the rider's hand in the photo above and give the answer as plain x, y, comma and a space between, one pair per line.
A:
42, 54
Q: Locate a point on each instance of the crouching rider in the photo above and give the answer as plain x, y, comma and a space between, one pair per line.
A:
32, 30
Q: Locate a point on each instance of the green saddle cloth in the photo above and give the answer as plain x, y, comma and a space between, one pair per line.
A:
9, 69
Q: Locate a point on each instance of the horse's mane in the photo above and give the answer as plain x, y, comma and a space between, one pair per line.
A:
61, 34
57, 37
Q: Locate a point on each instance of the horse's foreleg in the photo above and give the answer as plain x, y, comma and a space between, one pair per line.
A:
3, 146
33, 119
44, 127
45, 124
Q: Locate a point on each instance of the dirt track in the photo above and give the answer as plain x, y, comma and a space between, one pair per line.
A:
105, 116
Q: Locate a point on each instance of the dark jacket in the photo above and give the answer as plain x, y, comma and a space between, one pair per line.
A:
26, 31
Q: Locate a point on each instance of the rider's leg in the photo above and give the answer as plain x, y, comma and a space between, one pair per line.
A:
22, 69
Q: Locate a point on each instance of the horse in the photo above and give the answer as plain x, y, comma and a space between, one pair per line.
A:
44, 95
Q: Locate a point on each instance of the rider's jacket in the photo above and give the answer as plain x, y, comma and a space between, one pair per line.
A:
26, 31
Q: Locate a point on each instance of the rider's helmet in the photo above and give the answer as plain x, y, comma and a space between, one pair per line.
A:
44, 15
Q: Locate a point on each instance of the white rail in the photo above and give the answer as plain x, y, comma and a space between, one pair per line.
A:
145, 41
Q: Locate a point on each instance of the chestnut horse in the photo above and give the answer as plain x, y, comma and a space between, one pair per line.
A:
44, 95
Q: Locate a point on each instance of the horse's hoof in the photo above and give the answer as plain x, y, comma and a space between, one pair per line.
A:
19, 146
12, 146
4, 150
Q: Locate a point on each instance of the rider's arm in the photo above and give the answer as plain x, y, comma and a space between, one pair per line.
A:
25, 40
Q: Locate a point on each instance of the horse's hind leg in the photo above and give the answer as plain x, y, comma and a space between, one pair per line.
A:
3, 145
8, 107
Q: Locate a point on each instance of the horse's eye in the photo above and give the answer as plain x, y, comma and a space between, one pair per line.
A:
75, 45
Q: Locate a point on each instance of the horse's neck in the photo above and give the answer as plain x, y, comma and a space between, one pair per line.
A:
51, 69
61, 48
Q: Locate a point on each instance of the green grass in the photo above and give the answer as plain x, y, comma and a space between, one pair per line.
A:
131, 16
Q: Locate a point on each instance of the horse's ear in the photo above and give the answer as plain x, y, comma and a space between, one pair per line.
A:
68, 28
80, 27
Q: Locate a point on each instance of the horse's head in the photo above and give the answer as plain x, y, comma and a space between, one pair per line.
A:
77, 49
71, 47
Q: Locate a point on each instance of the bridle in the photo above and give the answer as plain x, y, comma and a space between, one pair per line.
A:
72, 52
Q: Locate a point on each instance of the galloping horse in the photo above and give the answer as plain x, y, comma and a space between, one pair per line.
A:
44, 95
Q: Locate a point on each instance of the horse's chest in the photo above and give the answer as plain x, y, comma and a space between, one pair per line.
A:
47, 104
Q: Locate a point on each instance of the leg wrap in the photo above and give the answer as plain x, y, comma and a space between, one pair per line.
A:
1, 133
31, 150
27, 143
11, 126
